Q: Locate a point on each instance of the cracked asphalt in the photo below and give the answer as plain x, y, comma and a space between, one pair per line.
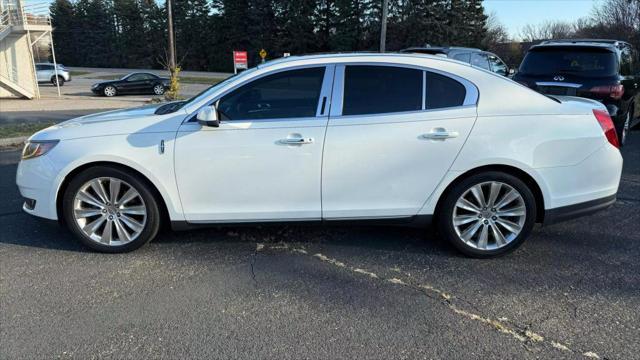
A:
292, 292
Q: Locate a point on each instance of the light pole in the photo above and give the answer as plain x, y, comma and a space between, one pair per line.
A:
172, 49
383, 29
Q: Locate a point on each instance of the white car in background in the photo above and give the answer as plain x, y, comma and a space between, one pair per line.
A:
387, 138
45, 72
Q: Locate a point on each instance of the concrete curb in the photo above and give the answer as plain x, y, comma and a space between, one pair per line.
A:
15, 141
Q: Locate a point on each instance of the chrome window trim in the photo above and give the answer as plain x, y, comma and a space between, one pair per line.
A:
471, 91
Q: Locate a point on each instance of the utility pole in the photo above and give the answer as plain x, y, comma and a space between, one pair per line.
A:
172, 48
383, 29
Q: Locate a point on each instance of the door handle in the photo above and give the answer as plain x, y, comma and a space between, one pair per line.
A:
296, 141
440, 134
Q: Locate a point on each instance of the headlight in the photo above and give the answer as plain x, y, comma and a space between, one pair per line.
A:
34, 149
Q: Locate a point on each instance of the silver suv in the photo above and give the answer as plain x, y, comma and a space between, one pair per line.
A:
46, 72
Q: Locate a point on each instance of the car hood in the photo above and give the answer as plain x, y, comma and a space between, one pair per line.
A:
117, 122
100, 83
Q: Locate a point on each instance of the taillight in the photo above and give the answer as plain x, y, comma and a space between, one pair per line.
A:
614, 91
607, 126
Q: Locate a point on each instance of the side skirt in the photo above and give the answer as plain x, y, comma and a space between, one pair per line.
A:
416, 221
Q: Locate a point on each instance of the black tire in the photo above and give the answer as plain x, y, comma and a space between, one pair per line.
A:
153, 220
110, 91
60, 80
446, 210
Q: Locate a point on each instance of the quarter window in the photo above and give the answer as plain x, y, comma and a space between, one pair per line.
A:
497, 66
443, 92
381, 89
288, 94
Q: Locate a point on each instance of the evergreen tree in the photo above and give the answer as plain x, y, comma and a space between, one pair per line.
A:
62, 17
296, 33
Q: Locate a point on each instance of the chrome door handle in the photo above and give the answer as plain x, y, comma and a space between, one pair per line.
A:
440, 134
296, 141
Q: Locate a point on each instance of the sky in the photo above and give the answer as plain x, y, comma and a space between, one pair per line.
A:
515, 14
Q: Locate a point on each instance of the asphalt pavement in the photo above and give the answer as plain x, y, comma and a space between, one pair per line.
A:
291, 292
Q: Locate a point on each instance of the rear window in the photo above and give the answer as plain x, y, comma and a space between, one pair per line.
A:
575, 60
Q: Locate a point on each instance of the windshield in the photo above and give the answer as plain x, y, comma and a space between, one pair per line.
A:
578, 61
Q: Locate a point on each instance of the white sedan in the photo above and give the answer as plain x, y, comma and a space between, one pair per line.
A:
387, 138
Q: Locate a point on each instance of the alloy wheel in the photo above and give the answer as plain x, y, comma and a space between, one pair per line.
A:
158, 90
109, 211
489, 215
109, 91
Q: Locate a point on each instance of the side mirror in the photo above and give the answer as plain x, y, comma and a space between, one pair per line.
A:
512, 71
208, 116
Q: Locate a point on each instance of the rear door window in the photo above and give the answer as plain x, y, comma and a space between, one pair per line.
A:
381, 89
581, 61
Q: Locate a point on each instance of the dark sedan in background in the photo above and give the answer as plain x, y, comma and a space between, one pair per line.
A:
134, 83
604, 70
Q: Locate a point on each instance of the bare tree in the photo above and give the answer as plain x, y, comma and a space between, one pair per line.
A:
547, 30
496, 32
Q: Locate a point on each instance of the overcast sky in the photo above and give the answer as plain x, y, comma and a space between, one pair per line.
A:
515, 14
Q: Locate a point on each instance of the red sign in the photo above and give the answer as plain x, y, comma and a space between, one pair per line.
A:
240, 60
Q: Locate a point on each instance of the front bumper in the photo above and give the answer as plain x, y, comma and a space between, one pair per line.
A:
35, 179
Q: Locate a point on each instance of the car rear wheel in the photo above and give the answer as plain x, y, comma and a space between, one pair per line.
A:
60, 80
110, 91
487, 214
158, 89
111, 210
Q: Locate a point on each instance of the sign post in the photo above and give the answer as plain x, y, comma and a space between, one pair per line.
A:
240, 61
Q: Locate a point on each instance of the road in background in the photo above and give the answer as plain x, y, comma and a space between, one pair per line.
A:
290, 292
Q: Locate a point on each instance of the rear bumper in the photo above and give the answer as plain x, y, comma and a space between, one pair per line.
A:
569, 212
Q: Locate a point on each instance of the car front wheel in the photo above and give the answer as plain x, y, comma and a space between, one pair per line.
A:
487, 214
110, 91
111, 210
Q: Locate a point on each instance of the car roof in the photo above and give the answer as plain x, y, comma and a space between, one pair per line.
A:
596, 43
329, 56
440, 49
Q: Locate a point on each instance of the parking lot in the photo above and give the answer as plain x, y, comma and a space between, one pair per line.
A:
571, 291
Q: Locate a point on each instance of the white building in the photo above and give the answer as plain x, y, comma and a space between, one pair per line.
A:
21, 26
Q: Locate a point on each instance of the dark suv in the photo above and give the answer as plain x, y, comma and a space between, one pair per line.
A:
475, 57
604, 70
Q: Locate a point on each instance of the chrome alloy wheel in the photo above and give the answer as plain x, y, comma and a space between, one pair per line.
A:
158, 89
489, 215
110, 91
109, 211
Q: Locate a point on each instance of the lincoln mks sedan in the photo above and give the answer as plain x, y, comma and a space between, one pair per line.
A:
404, 139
